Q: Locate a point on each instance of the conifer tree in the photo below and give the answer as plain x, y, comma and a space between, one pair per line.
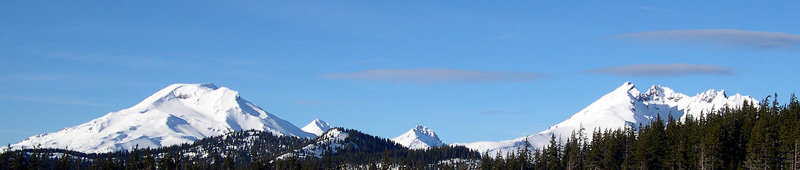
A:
34, 161
64, 162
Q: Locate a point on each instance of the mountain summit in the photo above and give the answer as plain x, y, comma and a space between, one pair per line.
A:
623, 107
420, 137
179, 113
317, 127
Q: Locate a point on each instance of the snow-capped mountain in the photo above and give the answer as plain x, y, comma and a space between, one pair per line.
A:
624, 107
316, 127
420, 137
179, 113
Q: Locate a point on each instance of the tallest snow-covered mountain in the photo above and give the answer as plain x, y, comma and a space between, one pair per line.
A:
177, 114
625, 106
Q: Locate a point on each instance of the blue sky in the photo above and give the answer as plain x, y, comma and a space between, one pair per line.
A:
471, 71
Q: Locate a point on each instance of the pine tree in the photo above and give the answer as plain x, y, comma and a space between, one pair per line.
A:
168, 161
64, 162
487, 162
35, 160
5, 157
134, 159
573, 151
149, 159
18, 161
552, 154
674, 141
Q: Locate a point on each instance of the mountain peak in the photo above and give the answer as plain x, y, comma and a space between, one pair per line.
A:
626, 88
316, 127
627, 85
187, 91
419, 137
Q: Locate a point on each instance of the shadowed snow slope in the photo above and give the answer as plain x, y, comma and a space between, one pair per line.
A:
420, 137
179, 113
623, 107
316, 127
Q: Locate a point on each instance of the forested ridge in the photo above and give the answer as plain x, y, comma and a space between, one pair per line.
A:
764, 136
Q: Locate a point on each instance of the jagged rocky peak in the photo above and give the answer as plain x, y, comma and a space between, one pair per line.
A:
710, 95
424, 130
661, 93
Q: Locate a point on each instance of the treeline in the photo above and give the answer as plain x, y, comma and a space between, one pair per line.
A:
765, 136
234, 150
244, 150
444, 157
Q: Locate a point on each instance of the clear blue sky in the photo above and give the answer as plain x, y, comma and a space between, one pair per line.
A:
471, 71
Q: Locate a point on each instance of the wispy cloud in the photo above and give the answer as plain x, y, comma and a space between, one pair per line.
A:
50, 100
727, 37
679, 69
435, 75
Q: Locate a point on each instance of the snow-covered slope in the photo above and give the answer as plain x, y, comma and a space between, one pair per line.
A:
420, 137
625, 106
179, 113
316, 127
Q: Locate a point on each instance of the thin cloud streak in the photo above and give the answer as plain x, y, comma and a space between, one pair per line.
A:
435, 75
727, 37
679, 69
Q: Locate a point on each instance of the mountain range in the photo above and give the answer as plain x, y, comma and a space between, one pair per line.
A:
183, 113
623, 107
